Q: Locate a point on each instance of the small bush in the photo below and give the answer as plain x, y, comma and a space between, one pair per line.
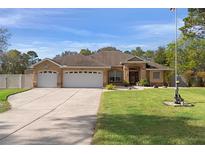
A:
126, 83
156, 86
110, 87
143, 82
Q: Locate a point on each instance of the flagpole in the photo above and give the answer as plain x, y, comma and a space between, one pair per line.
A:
176, 71
178, 98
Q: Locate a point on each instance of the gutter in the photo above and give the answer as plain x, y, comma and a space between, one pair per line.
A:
158, 69
86, 67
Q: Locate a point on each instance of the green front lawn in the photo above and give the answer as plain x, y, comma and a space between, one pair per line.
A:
139, 117
4, 104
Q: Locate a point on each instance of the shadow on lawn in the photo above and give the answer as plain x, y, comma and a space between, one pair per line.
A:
147, 129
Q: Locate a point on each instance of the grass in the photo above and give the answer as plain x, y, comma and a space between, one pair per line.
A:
4, 104
139, 117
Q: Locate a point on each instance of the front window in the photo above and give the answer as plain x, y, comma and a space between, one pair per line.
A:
115, 76
156, 75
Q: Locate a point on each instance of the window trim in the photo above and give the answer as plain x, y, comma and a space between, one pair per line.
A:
155, 76
115, 76
47, 72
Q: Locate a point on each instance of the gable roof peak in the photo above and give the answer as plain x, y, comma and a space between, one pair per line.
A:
135, 58
46, 59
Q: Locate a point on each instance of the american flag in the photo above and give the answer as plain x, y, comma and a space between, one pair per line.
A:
172, 9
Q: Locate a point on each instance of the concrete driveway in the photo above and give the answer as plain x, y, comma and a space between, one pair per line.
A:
50, 116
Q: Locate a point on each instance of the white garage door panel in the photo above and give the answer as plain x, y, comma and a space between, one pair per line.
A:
47, 79
92, 79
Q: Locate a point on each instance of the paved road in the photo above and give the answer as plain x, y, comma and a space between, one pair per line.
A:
50, 116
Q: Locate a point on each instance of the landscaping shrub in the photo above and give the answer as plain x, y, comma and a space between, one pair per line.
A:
195, 79
126, 83
168, 75
189, 77
156, 86
110, 87
201, 75
196, 82
143, 82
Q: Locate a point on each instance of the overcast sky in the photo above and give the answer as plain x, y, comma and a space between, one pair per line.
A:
51, 31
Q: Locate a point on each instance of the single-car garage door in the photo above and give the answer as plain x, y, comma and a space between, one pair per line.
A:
47, 79
90, 79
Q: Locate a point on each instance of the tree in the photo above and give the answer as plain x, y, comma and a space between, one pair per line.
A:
85, 52
160, 56
14, 62
127, 52
194, 24
65, 53
33, 57
4, 36
192, 42
149, 55
191, 55
107, 49
138, 52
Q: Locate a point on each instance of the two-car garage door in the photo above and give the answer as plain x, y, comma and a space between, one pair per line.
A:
80, 78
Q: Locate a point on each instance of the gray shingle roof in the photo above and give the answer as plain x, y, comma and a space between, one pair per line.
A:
111, 58
103, 58
153, 65
77, 60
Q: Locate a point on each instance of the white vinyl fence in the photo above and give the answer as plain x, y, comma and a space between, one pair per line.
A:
16, 81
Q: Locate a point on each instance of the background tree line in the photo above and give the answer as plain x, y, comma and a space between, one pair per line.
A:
14, 61
191, 48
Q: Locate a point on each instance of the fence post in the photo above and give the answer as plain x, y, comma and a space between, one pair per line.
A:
6, 82
20, 81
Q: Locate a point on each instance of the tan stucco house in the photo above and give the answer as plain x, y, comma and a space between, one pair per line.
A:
96, 70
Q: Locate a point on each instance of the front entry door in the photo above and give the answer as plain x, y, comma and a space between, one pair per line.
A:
133, 77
